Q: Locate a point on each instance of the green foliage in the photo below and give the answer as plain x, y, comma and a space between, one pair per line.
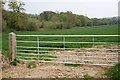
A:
33, 26
31, 65
58, 21
48, 20
16, 5
4, 25
16, 20
70, 20
103, 21
83, 20
22, 22
87, 77
46, 15
14, 63
52, 25
2, 3
13, 5
114, 72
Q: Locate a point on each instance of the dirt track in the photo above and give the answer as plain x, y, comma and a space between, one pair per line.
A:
50, 70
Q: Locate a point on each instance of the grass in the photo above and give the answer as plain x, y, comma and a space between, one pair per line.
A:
97, 30
14, 63
114, 72
45, 57
87, 77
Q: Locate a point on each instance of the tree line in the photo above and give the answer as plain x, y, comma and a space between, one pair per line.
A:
16, 19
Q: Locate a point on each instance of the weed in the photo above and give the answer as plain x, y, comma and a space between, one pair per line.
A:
114, 72
87, 77
14, 63
31, 65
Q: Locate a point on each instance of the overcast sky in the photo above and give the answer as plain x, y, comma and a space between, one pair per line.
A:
91, 8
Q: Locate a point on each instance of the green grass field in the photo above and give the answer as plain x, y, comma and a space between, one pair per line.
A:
96, 30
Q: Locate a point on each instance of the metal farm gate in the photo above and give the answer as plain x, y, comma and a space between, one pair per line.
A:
67, 49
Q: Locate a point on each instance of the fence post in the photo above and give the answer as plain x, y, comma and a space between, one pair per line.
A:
12, 46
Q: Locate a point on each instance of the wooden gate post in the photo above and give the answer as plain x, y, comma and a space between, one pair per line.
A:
12, 46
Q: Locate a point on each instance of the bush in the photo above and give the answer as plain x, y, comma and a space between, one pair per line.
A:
114, 72
33, 26
19, 22
53, 25
41, 24
31, 65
